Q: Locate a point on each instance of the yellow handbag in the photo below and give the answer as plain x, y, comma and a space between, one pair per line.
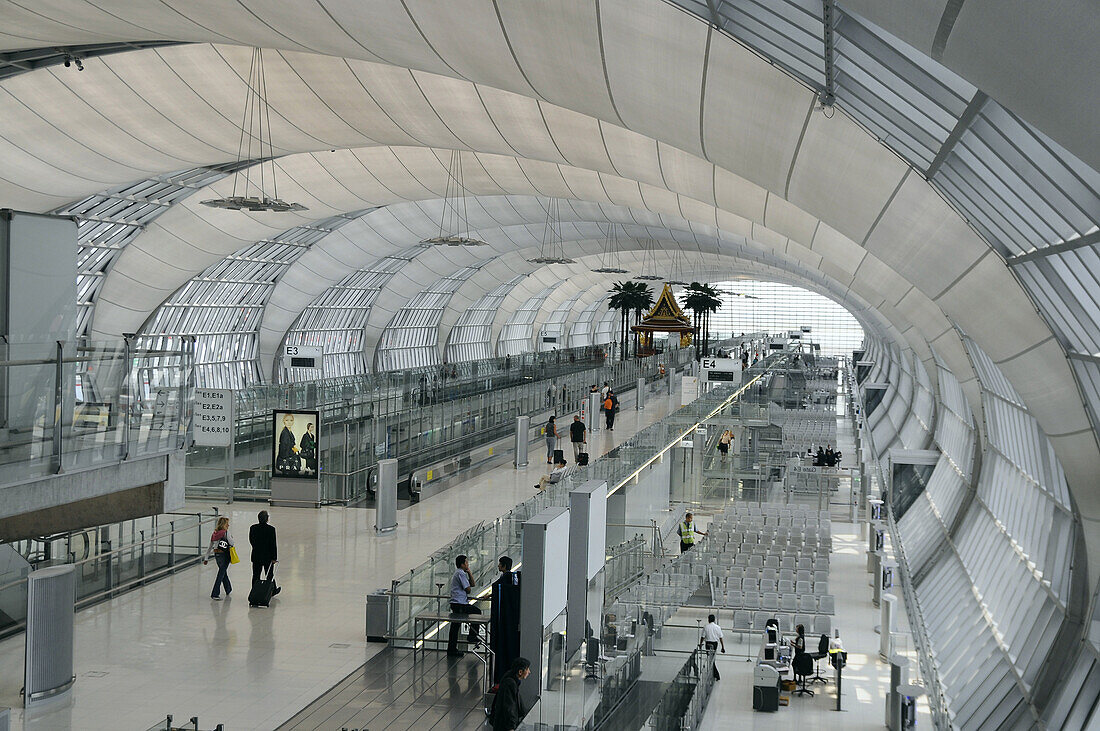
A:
233, 557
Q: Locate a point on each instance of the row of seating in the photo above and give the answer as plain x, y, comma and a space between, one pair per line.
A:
811, 603
789, 536
784, 586
740, 572
746, 621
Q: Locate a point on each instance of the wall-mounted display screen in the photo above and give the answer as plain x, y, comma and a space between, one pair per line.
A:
294, 451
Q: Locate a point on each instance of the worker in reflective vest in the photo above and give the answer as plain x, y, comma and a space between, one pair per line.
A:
687, 533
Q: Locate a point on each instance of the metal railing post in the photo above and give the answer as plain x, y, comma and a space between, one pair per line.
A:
141, 557
58, 405
126, 404
171, 543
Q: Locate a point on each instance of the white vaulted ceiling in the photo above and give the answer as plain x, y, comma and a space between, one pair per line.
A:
632, 111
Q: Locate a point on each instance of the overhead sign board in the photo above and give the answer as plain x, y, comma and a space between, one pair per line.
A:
301, 356
720, 369
213, 424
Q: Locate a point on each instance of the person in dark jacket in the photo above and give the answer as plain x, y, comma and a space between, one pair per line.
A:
610, 407
508, 709
265, 552
309, 449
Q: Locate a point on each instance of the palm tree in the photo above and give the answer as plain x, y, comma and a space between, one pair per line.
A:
701, 299
621, 300
641, 301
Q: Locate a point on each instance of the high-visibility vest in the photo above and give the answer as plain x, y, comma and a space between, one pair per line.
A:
687, 533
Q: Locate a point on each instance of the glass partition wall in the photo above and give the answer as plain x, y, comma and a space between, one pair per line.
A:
420, 417
580, 688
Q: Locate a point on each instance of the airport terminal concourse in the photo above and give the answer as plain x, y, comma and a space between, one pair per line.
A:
549, 364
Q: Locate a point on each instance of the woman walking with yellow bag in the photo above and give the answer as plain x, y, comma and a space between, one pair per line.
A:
224, 552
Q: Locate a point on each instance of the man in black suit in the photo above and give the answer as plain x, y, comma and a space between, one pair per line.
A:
265, 553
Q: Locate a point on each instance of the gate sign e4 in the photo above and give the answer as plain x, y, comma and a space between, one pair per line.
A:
721, 369
213, 425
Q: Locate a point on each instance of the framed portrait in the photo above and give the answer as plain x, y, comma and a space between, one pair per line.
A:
295, 445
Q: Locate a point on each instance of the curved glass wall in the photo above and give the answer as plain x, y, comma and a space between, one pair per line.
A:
515, 336
470, 338
753, 306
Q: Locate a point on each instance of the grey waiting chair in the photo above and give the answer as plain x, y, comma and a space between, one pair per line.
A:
823, 625
826, 604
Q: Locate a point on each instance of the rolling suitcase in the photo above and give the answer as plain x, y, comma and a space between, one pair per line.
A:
582, 459
261, 593
559, 456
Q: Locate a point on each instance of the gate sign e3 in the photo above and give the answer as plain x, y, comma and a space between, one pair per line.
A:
213, 425
721, 369
301, 356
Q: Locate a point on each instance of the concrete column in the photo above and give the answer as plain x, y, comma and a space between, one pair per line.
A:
385, 513
639, 402
522, 439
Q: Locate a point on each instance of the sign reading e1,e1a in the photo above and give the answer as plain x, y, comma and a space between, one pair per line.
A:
213, 425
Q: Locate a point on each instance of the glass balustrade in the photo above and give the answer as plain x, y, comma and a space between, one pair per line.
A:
71, 405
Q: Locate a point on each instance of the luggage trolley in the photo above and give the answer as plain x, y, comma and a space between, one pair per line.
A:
193, 725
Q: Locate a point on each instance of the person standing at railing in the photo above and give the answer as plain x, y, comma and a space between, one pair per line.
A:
461, 583
687, 533
221, 548
551, 439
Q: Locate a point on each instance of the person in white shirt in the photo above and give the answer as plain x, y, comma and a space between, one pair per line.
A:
712, 638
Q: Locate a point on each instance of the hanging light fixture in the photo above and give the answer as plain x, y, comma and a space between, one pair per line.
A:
678, 277
454, 225
250, 182
609, 255
649, 264
552, 249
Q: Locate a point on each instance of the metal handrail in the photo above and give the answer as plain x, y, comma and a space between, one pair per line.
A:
129, 547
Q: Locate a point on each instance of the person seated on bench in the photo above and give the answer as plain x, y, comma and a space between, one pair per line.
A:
559, 471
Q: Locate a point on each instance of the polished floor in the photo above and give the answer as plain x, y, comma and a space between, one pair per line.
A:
167, 648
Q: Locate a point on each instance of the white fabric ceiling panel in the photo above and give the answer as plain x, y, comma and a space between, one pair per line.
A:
838, 249
546, 178
914, 232
51, 188
803, 254
387, 31
26, 28
790, 220
506, 174
396, 92
737, 195
661, 200
104, 112
734, 224
460, 107
493, 64
766, 236
44, 130
829, 268
696, 211
520, 120
632, 155
622, 192
988, 304
753, 117
654, 56
578, 137
882, 278
1042, 377
336, 81
841, 169
584, 184
558, 48
687, 174
923, 314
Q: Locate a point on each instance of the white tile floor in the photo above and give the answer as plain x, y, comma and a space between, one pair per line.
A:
168, 648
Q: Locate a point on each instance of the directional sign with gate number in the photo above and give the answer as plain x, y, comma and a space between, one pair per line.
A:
213, 425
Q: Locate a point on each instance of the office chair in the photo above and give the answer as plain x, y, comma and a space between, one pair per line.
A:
822, 652
802, 665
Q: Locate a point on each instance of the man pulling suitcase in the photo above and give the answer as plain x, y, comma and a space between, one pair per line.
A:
265, 554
